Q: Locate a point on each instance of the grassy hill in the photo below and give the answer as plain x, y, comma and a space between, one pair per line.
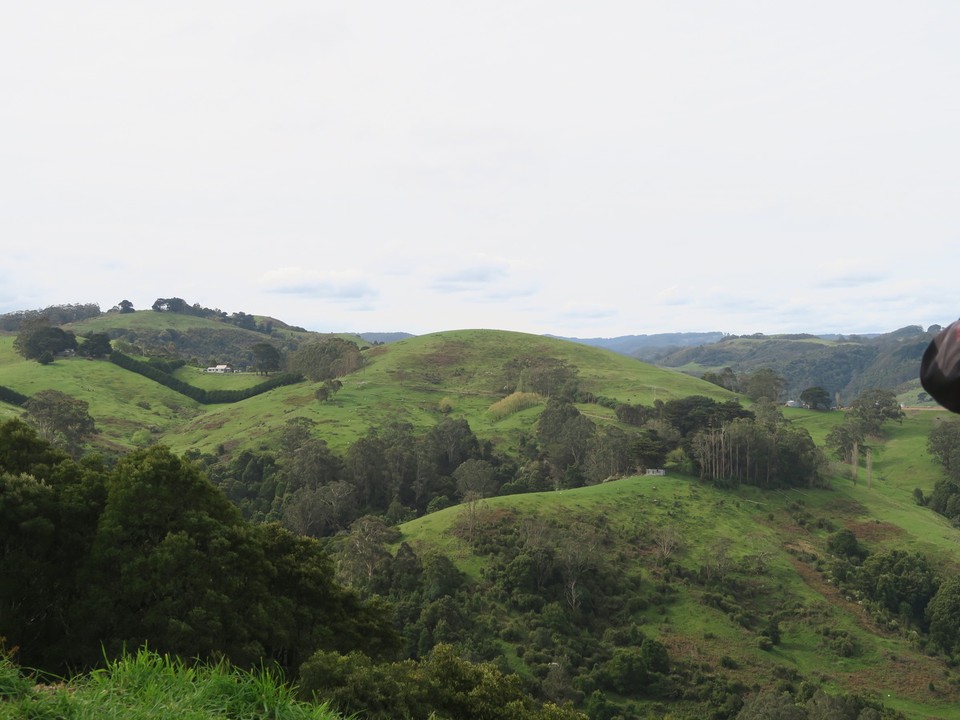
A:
778, 565
418, 380
202, 340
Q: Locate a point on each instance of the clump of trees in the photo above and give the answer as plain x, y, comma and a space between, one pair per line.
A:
943, 443
327, 359
267, 358
181, 306
397, 473
863, 420
902, 589
60, 419
541, 374
725, 443
97, 559
442, 682
37, 339
54, 314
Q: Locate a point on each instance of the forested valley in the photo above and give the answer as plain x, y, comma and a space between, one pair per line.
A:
295, 559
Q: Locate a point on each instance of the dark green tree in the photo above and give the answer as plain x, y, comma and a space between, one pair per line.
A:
22, 450
695, 412
815, 398
649, 449
60, 419
608, 454
943, 616
326, 391
475, 477
442, 685
311, 464
96, 345
726, 378
329, 358
448, 443
764, 383
36, 337
266, 358
843, 543
125, 306
943, 443
900, 582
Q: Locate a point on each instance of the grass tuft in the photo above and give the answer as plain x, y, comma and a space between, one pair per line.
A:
146, 685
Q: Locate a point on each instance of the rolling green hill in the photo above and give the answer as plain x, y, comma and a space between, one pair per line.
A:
772, 549
418, 380
741, 587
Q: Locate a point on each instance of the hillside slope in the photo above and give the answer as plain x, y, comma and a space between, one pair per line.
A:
418, 380
845, 365
739, 561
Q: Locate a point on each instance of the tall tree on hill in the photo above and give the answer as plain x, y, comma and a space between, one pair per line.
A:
60, 419
845, 438
726, 378
764, 383
943, 614
266, 357
476, 477
327, 359
125, 306
96, 345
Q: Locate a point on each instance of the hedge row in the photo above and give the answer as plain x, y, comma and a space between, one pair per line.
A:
12, 396
206, 397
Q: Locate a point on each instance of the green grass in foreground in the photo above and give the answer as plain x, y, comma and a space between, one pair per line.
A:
147, 685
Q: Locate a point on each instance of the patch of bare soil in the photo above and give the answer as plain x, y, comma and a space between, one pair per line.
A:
449, 353
873, 531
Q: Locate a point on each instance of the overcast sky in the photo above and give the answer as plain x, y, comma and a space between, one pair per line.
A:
576, 168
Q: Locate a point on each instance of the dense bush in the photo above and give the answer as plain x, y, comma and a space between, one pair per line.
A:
97, 560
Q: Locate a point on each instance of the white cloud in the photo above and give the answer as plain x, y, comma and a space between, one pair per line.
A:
613, 169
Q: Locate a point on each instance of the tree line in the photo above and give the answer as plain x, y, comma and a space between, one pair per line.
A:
201, 395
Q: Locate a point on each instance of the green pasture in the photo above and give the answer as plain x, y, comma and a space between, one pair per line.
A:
199, 377
146, 320
120, 402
